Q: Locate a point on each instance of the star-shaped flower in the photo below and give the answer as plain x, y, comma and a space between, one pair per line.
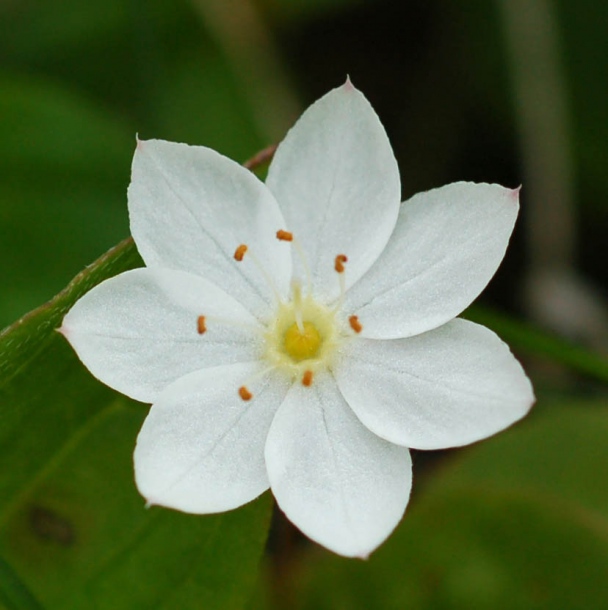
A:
300, 334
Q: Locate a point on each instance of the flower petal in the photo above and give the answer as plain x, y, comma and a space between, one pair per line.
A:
448, 387
341, 485
446, 247
337, 182
201, 448
190, 208
137, 332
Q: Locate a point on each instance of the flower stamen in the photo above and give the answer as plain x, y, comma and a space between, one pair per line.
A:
284, 235
239, 253
355, 324
339, 262
340, 268
288, 236
202, 324
245, 394
307, 378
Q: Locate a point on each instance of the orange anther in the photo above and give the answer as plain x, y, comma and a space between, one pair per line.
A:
339, 263
240, 252
307, 379
284, 235
355, 324
244, 393
201, 325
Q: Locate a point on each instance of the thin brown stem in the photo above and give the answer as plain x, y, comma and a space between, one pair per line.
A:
260, 158
284, 566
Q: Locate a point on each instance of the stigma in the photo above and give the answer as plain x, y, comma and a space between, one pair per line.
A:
301, 336
302, 344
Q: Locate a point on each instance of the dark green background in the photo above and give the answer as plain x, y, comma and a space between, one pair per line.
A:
520, 521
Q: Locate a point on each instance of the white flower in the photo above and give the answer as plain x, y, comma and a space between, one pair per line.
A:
300, 334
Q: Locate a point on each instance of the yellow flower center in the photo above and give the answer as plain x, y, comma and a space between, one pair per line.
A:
303, 335
302, 344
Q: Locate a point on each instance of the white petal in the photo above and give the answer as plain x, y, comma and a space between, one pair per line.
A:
201, 448
137, 332
190, 208
337, 182
449, 387
446, 247
341, 485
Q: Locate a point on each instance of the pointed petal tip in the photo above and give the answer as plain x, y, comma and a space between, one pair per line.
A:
151, 143
348, 88
514, 193
146, 145
138, 143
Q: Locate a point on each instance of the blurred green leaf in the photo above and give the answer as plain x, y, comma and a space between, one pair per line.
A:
65, 159
520, 521
24, 341
72, 524
64, 167
14, 595
39, 29
526, 338
561, 453
469, 549
202, 103
56, 130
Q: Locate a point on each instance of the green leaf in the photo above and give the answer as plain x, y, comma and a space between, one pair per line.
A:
517, 522
529, 339
194, 92
64, 171
72, 525
560, 452
14, 595
469, 549
24, 340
